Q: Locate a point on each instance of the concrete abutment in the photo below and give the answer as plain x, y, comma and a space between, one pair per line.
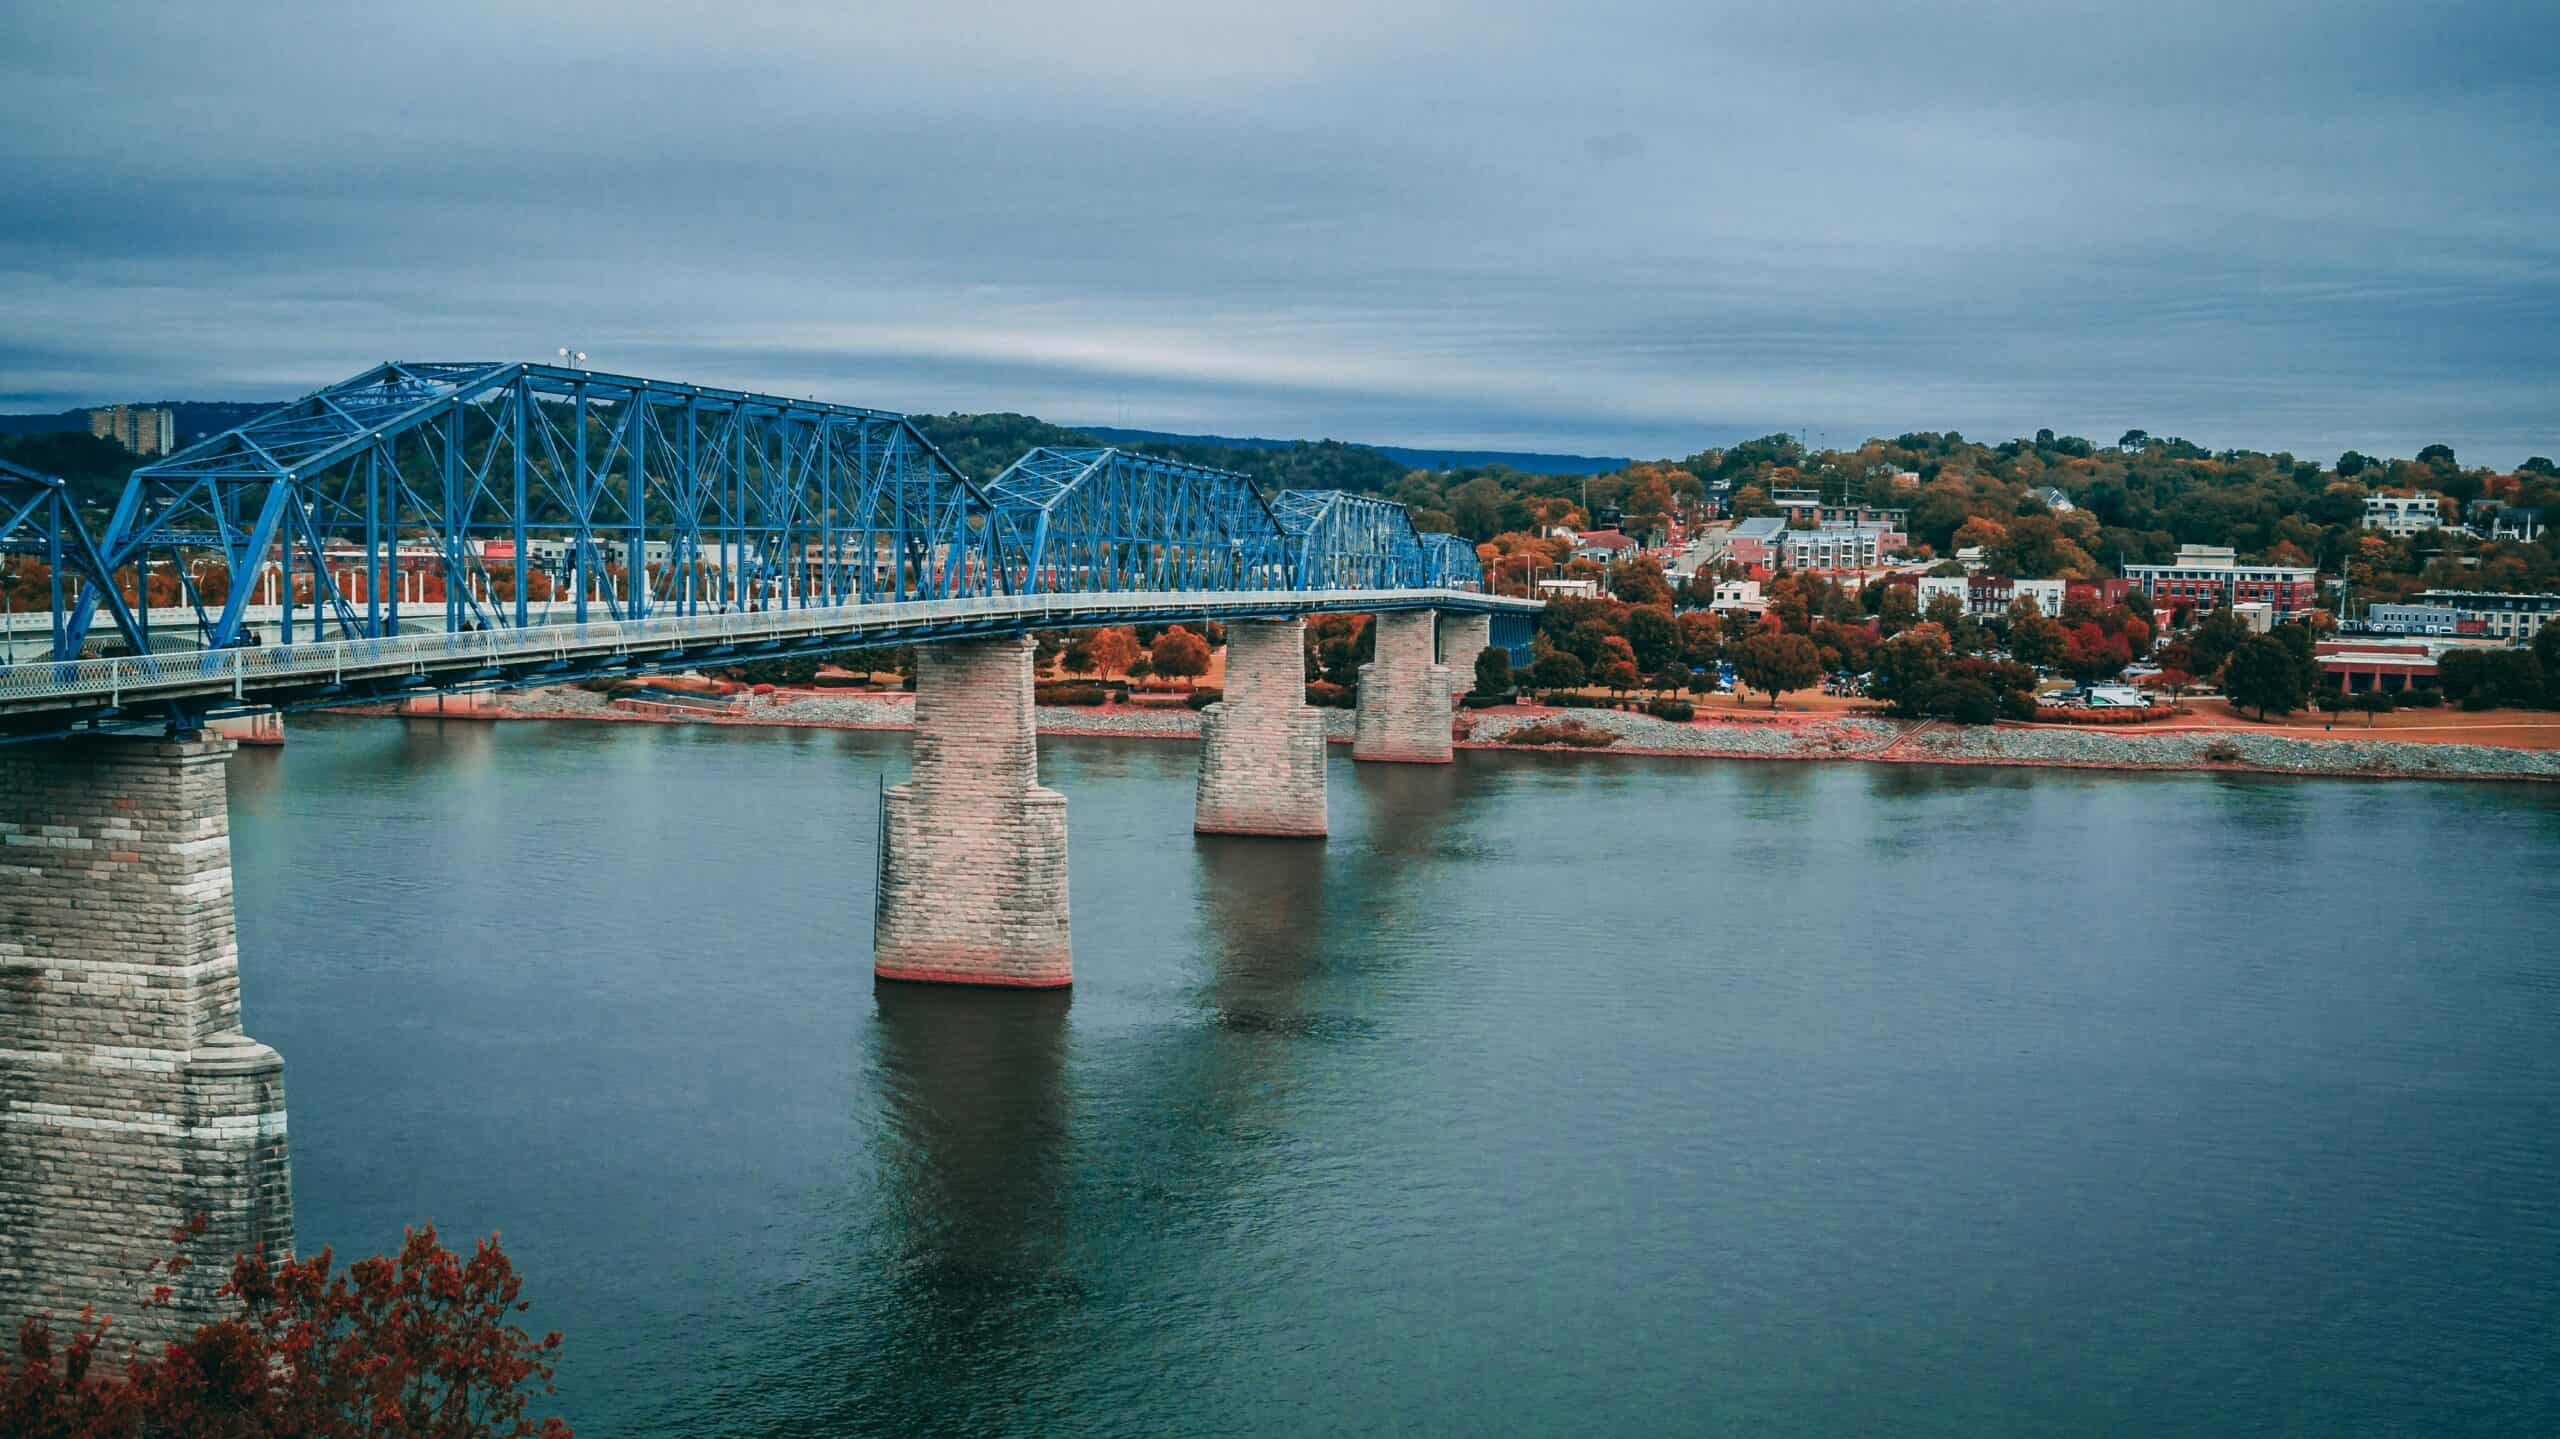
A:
1262, 745
130, 1100
973, 852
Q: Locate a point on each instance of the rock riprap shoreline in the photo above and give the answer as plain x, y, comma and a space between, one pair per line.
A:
1782, 736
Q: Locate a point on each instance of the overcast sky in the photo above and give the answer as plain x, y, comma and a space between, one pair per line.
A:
1625, 228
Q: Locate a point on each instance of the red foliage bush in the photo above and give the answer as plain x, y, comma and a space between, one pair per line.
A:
2066, 714
417, 1347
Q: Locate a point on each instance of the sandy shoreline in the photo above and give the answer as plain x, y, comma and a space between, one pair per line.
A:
1786, 736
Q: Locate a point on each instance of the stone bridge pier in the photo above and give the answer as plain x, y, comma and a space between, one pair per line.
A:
1404, 693
130, 1100
1462, 638
973, 852
1262, 746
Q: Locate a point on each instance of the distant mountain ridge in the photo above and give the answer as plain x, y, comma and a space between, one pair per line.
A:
1528, 462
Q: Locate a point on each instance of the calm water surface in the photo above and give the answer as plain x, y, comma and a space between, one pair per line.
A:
1549, 1095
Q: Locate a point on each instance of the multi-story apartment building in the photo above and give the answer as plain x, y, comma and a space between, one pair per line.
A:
2208, 575
143, 431
1837, 547
2404, 514
2506, 617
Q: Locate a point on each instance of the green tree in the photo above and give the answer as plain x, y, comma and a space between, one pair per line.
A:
1906, 670
1493, 671
1654, 635
1778, 663
2215, 640
1556, 670
2033, 639
2265, 676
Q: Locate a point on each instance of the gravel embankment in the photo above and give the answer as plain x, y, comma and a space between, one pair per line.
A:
2233, 749
1836, 737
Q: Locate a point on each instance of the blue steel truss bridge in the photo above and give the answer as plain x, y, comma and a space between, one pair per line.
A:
431, 527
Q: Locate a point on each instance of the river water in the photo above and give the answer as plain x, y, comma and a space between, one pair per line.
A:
1552, 1094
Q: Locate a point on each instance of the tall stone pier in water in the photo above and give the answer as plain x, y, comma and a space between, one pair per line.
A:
130, 1099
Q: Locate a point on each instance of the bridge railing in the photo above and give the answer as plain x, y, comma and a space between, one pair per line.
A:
240, 670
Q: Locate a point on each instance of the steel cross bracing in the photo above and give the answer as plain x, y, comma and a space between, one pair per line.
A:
1085, 520
37, 520
481, 484
495, 497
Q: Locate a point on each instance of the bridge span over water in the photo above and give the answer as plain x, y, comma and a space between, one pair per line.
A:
441, 527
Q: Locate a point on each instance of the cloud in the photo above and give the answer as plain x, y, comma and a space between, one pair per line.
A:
1626, 227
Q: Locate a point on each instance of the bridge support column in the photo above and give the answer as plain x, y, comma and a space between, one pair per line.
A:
973, 852
1404, 694
1462, 638
129, 1099
1262, 746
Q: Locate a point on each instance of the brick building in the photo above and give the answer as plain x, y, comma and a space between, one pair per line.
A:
2205, 576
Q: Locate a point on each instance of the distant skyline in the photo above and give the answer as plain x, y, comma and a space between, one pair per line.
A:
1631, 227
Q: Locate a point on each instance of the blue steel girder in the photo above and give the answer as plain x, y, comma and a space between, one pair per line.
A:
479, 489
1339, 540
1085, 520
39, 521
1452, 561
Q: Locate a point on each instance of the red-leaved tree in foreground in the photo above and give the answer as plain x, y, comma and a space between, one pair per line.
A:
415, 1347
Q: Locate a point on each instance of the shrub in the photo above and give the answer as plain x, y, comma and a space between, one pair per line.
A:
1484, 702
1573, 700
1493, 670
2222, 751
1676, 711
1573, 734
2418, 700
1205, 696
2063, 714
1327, 695
1067, 694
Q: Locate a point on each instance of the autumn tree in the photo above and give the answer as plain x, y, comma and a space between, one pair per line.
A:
1113, 648
1179, 654
1640, 582
1778, 663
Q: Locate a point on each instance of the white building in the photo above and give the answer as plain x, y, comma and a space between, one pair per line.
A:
1739, 597
2404, 514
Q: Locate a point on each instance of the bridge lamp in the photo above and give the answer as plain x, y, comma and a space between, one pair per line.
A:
573, 359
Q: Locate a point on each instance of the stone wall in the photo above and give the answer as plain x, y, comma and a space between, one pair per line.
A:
973, 864
1262, 746
129, 1098
1404, 694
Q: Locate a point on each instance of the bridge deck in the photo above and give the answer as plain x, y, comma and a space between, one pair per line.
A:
49, 696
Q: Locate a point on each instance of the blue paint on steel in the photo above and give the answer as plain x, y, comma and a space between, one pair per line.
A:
475, 486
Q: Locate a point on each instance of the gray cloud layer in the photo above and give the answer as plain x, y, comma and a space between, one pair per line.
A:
1622, 226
